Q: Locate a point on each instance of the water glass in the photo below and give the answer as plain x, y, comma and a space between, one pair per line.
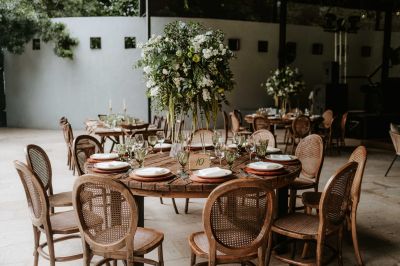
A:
152, 140
261, 148
250, 147
161, 139
216, 136
230, 157
219, 152
139, 140
121, 150
183, 157
140, 154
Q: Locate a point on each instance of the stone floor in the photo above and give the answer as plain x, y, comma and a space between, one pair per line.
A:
378, 214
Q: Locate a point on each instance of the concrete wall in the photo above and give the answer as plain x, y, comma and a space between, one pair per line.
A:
42, 87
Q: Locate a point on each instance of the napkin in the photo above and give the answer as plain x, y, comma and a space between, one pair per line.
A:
266, 166
152, 171
211, 171
280, 157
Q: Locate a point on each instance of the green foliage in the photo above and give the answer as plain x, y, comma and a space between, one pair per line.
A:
22, 20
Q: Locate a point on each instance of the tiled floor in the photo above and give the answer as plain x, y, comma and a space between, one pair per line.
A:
378, 215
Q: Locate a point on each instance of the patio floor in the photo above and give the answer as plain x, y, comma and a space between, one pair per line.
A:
378, 213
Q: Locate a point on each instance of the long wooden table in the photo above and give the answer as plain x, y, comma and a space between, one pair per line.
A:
180, 188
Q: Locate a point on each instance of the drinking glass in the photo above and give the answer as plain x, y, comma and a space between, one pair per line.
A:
240, 141
140, 154
216, 136
250, 147
139, 139
152, 140
230, 157
235, 138
161, 139
261, 149
121, 150
219, 152
183, 156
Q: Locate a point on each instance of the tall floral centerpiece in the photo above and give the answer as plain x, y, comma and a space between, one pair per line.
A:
187, 71
282, 84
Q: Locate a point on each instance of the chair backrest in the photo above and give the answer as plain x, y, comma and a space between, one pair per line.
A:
39, 162
261, 122
83, 147
335, 198
359, 155
202, 135
396, 141
264, 134
226, 125
102, 117
68, 134
327, 116
161, 122
235, 122
394, 128
36, 196
156, 119
237, 215
107, 213
239, 116
301, 126
310, 152
343, 124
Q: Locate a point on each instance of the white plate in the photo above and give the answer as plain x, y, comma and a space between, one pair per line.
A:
104, 156
273, 150
164, 145
151, 171
281, 157
213, 172
264, 166
232, 146
199, 145
112, 165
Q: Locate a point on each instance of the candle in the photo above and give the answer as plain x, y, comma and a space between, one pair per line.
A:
124, 104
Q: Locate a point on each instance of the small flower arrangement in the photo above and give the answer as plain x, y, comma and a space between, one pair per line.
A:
284, 82
187, 70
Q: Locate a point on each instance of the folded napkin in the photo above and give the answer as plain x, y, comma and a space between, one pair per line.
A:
280, 157
152, 171
265, 165
211, 171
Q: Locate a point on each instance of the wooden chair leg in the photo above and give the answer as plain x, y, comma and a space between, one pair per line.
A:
261, 255
160, 255
292, 200
161, 201
192, 259
355, 239
36, 237
320, 249
269, 249
186, 205
390, 166
175, 208
50, 246
339, 246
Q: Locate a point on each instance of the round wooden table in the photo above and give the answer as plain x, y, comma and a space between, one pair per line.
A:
180, 188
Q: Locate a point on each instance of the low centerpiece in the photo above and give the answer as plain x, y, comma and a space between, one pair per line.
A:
282, 84
187, 72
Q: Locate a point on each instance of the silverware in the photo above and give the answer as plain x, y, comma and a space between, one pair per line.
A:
172, 181
126, 174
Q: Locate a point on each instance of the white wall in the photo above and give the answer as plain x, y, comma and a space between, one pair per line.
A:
40, 87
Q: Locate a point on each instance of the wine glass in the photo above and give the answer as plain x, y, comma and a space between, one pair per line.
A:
250, 147
219, 152
161, 139
230, 157
121, 150
216, 136
183, 157
152, 140
235, 138
139, 140
261, 149
140, 154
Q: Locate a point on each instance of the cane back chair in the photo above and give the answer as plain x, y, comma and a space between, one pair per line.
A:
83, 147
39, 162
396, 143
235, 125
62, 223
312, 199
117, 237
68, 138
264, 134
261, 122
310, 153
301, 127
235, 230
330, 220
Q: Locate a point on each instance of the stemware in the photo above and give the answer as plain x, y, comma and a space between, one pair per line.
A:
161, 139
261, 149
216, 136
152, 140
139, 140
140, 155
121, 150
250, 147
183, 157
219, 152
230, 157
235, 138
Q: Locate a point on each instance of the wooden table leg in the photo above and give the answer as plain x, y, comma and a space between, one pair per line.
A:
282, 197
140, 205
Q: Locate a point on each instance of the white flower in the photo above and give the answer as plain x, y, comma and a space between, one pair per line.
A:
221, 46
176, 66
206, 95
207, 53
154, 91
165, 72
147, 69
205, 82
223, 51
179, 53
150, 83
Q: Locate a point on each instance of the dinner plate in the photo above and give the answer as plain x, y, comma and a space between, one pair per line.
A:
151, 171
213, 172
281, 157
111, 165
264, 166
199, 145
104, 156
273, 150
164, 145
232, 146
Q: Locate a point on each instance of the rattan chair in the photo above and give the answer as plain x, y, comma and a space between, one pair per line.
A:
235, 230
117, 237
301, 127
261, 122
83, 147
39, 162
316, 228
311, 200
310, 153
328, 117
396, 144
202, 135
264, 134
62, 223
68, 138
236, 127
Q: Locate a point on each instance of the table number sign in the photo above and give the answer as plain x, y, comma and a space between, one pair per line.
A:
199, 161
